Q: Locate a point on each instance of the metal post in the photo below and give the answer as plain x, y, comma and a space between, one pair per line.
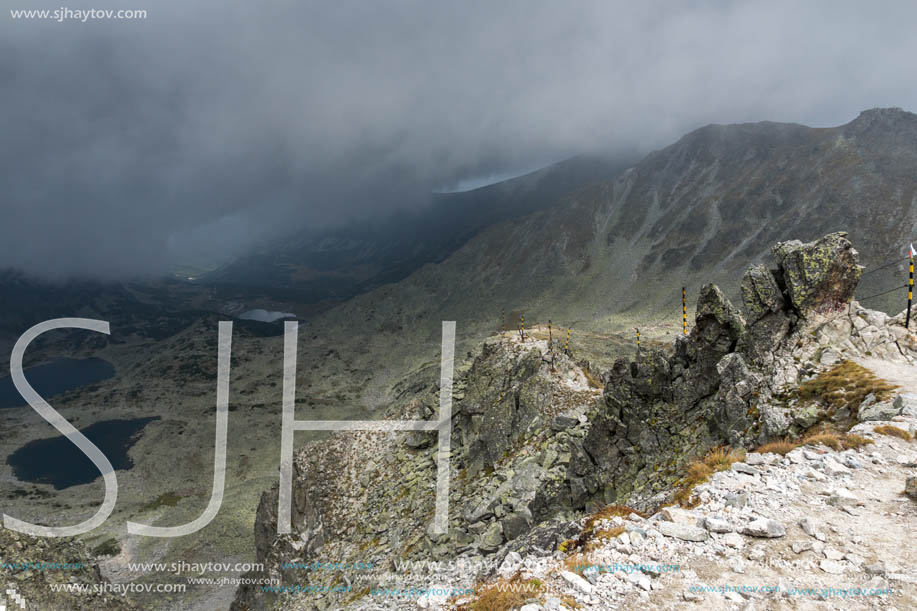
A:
551, 343
567, 345
502, 321
684, 312
638, 339
522, 327
910, 290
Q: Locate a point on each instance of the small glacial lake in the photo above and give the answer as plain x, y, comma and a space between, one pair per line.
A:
55, 378
265, 315
58, 462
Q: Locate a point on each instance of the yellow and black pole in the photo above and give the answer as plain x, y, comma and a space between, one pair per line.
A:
522, 327
638, 339
567, 345
910, 287
684, 312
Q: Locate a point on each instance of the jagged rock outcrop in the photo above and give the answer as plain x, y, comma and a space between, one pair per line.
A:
534, 445
370, 497
725, 382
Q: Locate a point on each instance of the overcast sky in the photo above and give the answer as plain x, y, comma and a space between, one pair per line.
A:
127, 144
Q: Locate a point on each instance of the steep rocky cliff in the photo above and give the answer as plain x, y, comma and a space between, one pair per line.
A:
536, 445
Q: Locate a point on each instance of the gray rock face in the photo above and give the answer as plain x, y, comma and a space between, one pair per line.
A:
509, 400
684, 532
577, 582
819, 276
886, 410
737, 499
493, 538
760, 293
741, 467
910, 487
736, 396
906, 403
562, 423
766, 310
517, 523
718, 525
718, 324
542, 540
764, 527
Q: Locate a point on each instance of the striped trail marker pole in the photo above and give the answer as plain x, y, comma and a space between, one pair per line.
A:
910, 287
638, 339
567, 345
684, 312
522, 327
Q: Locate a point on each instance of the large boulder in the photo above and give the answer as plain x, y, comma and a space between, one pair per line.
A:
819, 276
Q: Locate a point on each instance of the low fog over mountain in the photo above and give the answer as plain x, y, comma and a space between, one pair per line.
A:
203, 131
672, 241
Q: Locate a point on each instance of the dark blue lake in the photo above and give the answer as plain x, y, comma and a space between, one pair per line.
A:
55, 378
58, 462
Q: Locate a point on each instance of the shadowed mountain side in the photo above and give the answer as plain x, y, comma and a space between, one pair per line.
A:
615, 255
331, 266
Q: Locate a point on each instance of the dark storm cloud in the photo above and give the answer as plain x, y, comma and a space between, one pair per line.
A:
205, 129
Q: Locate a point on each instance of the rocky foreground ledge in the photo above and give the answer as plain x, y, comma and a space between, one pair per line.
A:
814, 529
553, 472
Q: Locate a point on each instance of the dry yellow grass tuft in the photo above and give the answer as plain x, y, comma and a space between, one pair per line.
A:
589, 532
610, 511
718, 459
576, 563
504, 594
893, 431
853, 441
598, 538
831, 440
835, 441
845, 385
781, 446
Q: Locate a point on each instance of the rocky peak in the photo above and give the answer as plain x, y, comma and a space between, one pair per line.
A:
888, 127
874, 116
